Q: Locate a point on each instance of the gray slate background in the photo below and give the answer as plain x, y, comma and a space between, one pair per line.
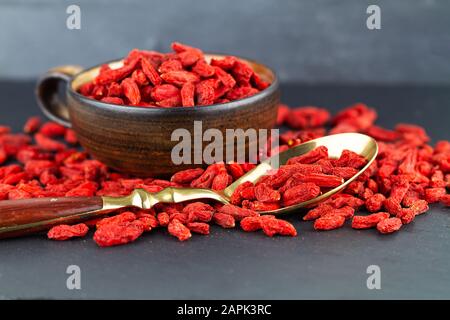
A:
319, 41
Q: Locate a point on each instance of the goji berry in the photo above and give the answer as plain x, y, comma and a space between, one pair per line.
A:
329, 222
149, 221
32, 125
224, 220
187, 94
275, 226
310, 157
225, 63
198, 211
300, 193
150, 71
71, 137
251, 224
446, 200
48, 144
307, 117
52, 129
205, 93
260, 206
389, 225
237, 212
433, 195
283, 113
198, 227
185, 177
375, 202
179, 230
126, 216
320, 210
236, 197
321, 180
65, 232
264, 193
221, 181
131, 91
163, 219
118, 233
369, 221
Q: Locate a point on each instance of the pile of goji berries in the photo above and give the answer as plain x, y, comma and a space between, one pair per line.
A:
175, 79
407, 175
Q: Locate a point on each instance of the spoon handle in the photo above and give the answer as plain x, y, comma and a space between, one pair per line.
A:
27, 216
21, 217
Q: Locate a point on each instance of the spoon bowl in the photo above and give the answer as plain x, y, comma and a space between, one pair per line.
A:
356, 142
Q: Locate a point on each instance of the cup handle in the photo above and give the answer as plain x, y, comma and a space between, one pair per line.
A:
48, 96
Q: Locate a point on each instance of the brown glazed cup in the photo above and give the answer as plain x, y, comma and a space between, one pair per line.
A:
137, 140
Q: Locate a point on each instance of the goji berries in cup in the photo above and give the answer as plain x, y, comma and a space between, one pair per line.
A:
137, 140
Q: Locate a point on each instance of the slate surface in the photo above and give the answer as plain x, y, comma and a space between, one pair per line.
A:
234, 265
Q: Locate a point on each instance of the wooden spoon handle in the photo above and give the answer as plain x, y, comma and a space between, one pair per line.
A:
21, 217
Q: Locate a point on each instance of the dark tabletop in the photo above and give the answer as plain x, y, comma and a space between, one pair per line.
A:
231, 264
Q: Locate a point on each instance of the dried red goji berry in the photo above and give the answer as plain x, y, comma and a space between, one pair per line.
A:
241, 93
260, 206
65, 232
187, 94
180, 77
118, 233
71, 137
198, 227
389, 225
150, 222
186, 176
163, 219
300, 193
48, 144
433, 195
32, 125
126, 216
329, 222
375, 202
283, 113
382, 134
344, 172
205, 93
446, 200
242, 72
264, 193
224, 220
310, 157
251, 224
131, 91
369, 221
206, 178
150, 71
203, 69
307, 117
237, 212
319, 211
221, 181
225, 63
198, 211
275, 226
392, 206
321, 180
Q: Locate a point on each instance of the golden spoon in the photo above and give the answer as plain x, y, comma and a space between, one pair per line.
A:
20, 217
